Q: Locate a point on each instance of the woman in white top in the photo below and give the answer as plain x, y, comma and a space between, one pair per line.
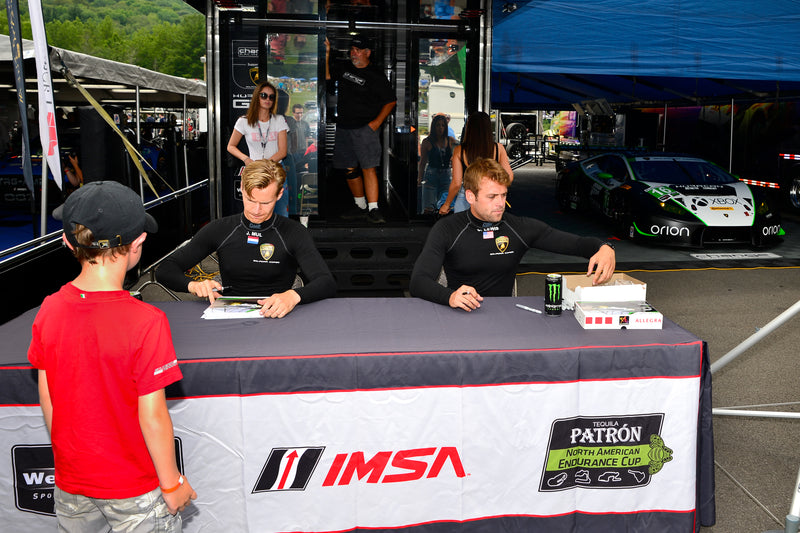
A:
264, 131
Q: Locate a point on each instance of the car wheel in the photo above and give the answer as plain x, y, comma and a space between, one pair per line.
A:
794, 193
515, 151
517, 131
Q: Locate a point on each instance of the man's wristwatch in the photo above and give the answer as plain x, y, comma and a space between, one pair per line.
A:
607, 243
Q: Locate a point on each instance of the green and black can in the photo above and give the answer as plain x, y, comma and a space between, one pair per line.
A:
552, 294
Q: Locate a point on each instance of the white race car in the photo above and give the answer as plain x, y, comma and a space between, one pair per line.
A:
669, 198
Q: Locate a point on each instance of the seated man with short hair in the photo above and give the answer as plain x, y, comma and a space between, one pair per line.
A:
480, 248
259, 253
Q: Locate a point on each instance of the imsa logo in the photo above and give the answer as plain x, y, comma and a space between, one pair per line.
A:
407, 465
290, 469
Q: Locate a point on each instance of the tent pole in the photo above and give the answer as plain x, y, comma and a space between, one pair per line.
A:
185, 119
43, 213
184, 135
730, 145
139, 140
138, 121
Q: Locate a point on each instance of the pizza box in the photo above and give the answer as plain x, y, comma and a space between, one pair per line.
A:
620, 288
618, 315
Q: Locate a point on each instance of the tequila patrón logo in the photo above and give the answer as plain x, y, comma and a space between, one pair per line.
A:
608, 452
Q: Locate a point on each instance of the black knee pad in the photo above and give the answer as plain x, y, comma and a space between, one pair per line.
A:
352, 173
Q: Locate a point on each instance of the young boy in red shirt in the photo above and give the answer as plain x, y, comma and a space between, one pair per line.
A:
104, 359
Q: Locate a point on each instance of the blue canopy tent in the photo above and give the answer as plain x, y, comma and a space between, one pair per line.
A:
550, 54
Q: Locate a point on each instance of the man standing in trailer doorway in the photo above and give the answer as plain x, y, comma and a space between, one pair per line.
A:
365, 100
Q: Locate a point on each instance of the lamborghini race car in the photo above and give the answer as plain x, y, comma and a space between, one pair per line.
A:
669, 198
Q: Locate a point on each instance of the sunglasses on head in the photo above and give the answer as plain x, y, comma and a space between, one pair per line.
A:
266, 96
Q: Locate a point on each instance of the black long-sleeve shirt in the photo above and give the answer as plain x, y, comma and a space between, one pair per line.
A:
486, 255
254, 259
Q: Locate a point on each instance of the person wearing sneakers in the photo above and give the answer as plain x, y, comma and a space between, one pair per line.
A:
103, 360
365, 100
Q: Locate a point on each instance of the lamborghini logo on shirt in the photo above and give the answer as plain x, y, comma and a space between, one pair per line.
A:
502, 243
266, 251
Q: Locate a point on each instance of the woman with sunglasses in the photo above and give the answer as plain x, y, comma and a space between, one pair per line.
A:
264, 131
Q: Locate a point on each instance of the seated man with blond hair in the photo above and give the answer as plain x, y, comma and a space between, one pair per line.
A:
259, 252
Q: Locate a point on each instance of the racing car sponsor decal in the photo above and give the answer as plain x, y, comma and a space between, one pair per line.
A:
725, 201
662, 192
706, 189
714, 205
672, 231
660, 230
607, 452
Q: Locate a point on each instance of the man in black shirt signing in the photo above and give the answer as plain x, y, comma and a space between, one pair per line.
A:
481, 248
259, 252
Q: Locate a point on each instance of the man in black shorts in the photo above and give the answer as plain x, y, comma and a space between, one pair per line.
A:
365, 100
480, 248
259, 252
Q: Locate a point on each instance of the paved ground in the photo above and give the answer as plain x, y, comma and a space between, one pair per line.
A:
723, 302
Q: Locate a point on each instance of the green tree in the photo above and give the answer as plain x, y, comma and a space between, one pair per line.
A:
167, 36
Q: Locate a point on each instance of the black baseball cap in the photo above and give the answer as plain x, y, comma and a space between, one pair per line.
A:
362, 41
112, 211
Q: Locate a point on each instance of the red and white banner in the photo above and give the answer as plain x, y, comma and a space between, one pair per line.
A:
47, 111
385, 459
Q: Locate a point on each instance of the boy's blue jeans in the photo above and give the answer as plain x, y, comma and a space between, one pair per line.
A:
141, 514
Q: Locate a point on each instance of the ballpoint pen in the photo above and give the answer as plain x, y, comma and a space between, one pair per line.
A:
531, 309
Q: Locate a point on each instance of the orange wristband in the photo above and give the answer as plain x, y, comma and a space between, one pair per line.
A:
173, 489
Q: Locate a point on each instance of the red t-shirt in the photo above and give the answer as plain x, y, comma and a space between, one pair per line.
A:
101, 351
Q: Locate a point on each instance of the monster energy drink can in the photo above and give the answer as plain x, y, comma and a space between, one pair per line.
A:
552, 294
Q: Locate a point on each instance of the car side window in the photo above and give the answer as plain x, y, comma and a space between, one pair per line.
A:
605, 167
591, 168
617, 168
